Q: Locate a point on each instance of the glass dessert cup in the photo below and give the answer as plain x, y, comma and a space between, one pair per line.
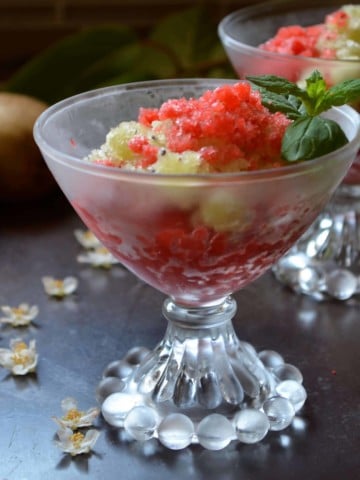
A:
325, 262
197, 239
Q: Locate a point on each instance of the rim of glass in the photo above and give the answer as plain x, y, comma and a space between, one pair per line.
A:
102, 170
268, 7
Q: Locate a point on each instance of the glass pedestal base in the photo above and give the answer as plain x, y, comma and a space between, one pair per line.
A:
201, 384
325, 262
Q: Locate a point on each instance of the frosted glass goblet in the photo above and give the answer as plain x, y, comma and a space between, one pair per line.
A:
192, 385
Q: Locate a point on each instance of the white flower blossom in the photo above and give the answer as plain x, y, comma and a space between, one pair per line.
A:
99, 257
19, 316
59, 288
74, 418
87, 239
76, 443
20, 358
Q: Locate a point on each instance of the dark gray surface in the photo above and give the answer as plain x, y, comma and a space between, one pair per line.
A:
111, 312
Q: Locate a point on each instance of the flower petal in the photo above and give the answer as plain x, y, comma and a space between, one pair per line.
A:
59, 288
19, 316
68, 403
100, 257
20, 359
87, 239
76, 443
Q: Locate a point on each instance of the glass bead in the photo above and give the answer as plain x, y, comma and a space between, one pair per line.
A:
107, 386
136, 355
215, 432
279, 411
288, 267
288, 372
295, 261
270, 358
341, 284
141, 423
118, 368
251, 425
292, 391
249, 348
117, 405
310, 280
176, 431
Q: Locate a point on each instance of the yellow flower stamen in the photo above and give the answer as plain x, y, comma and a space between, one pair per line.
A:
102, 250
19, 356
73, 414
19, 347
21, 359
77, 439
18, 311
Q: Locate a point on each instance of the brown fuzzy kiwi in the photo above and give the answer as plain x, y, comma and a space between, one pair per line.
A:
24, 175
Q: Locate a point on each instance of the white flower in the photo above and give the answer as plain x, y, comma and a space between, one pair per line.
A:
99, 257
74, 418
21, 358
59, 288
19, 316
76, 443
87, 239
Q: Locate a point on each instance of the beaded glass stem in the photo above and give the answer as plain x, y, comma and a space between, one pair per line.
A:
201, 384
325, 262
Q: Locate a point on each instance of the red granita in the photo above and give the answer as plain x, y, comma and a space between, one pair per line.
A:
295, 40
204, 247
337, 20
311, 41
224, 125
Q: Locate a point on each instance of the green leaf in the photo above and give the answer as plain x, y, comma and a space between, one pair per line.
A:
55, 73
315, 85
347, 91
279, 85
310, 137
190, 37
127, 64
181, 45
279, 103
315, 89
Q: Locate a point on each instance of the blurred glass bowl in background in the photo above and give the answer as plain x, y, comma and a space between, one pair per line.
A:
325, 263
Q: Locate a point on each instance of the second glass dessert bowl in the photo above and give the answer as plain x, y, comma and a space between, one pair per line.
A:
325, 262
197, 239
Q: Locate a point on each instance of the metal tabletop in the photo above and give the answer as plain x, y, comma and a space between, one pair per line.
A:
112, 311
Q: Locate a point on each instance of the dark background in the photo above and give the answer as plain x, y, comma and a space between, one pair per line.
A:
28, 26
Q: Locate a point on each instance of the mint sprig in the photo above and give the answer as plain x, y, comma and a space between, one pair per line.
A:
309, 135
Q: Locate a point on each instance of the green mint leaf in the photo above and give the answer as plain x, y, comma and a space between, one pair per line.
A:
347, 91
315, 84
315, 89
310, 137
275, 84
279, 103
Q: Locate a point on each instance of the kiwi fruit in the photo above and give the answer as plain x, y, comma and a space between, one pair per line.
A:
24, 175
